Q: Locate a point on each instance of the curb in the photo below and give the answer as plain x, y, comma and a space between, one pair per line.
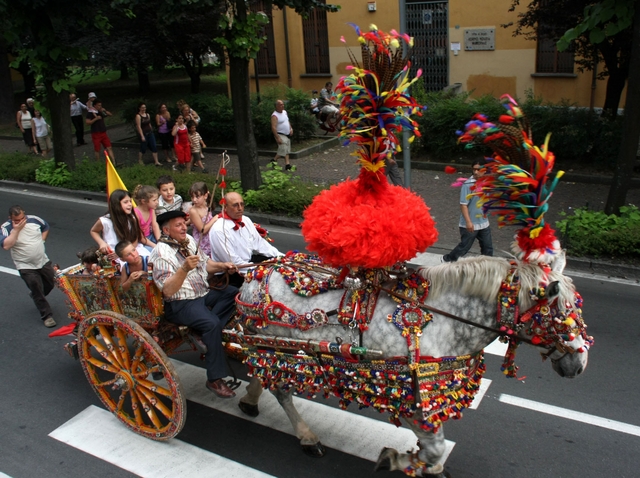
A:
567, 177
581, 264
326, 144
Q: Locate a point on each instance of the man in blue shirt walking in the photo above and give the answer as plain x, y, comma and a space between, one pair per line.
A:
473, 222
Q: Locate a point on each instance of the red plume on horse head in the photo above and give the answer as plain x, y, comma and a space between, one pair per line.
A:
366, 222
516, 187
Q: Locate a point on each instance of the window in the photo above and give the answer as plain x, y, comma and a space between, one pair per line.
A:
316, 42
266, 58
550, 60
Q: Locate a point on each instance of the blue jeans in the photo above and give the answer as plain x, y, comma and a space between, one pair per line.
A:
466, 241
150, 141
207, 315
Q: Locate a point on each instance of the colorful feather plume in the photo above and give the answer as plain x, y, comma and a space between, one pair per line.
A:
366, 222
516, 186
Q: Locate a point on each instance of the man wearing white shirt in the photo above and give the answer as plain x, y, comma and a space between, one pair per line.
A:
77, 118
235, 238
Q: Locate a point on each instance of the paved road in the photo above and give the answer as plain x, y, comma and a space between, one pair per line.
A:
54, 425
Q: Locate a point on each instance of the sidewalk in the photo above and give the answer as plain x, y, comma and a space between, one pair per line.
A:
337, 163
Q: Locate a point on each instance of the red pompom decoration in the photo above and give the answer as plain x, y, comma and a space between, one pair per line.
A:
222, 202
506, 119
368, 223
223, 185
450, 170
544, 241
223, 171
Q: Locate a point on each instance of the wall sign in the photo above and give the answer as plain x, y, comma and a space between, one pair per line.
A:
479, 39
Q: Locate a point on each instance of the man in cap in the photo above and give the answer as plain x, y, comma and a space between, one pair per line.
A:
180, 271
92, 96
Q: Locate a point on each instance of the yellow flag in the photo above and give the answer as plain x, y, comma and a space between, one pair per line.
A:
113, 179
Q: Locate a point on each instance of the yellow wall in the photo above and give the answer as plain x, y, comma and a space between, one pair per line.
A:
507, 69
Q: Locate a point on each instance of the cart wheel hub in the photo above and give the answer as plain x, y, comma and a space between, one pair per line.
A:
123, 381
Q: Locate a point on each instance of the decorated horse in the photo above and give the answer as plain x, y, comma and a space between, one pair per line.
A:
355, 323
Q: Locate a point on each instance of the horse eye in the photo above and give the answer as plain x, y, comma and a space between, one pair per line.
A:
553, 289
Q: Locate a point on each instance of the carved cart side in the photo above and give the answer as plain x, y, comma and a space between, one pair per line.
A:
122, 342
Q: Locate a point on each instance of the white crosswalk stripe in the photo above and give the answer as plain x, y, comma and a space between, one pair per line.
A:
99, 433
136, 454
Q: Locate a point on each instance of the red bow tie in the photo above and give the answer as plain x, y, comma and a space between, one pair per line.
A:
238, 223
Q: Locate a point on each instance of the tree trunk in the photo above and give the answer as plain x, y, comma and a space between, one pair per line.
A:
195, 83
143, 81
60, 122
615, 86
28, 79
124, 72
7, 108
246, 141
631, 129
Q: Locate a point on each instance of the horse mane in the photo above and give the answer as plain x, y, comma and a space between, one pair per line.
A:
481, 277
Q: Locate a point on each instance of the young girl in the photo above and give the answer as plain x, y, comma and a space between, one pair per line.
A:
89, 259
147, 199
200, 215
118, 225
181, 142
134, 265
196, 147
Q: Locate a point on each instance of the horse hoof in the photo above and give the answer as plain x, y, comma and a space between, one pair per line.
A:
247, 409
316, 450
384, 459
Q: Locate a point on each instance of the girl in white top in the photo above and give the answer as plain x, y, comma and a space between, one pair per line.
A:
120, 224
40, 130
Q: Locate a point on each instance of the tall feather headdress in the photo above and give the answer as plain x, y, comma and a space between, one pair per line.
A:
366, 222
517, 185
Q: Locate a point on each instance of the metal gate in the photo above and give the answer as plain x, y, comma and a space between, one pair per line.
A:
428, 24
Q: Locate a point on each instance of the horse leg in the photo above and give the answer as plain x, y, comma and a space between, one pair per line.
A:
308, 440
249, 402
425, 460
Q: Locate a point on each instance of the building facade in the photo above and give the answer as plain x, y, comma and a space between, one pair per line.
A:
459, 44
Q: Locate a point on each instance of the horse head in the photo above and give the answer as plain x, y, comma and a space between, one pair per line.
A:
552, 317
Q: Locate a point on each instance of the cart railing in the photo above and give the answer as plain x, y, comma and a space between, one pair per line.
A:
89, 293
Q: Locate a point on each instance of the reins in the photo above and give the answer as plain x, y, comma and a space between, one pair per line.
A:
455, 317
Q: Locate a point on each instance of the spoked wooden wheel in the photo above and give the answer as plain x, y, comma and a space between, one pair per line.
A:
132, 375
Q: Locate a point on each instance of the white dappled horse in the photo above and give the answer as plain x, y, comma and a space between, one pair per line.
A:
468, 289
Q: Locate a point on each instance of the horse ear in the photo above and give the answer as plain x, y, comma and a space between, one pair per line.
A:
559, 262
552, 290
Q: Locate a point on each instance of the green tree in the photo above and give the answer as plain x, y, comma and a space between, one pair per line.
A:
601, 21
43, 32
241, 39
552, 19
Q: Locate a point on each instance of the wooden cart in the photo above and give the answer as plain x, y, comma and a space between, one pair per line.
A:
122, 342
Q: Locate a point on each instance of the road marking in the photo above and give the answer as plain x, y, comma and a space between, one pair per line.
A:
9, 270
2, 475
334, 427
570, 414
484, 386
97, 432
496, 348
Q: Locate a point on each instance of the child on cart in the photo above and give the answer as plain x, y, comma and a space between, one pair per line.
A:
135, 266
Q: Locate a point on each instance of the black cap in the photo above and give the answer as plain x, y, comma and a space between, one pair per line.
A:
167, 216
